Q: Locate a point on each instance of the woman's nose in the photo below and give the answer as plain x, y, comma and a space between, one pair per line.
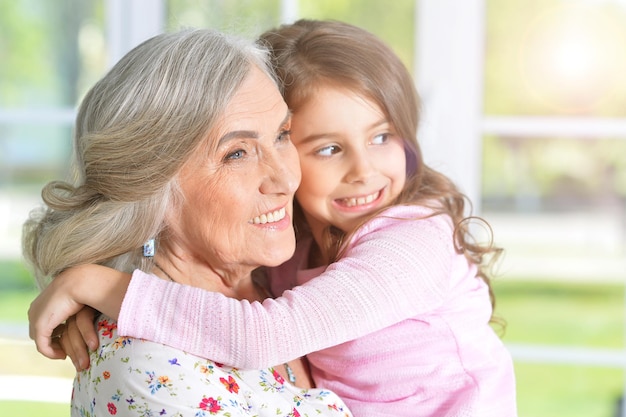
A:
282, 173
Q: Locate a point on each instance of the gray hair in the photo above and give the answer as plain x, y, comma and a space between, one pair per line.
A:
134, 131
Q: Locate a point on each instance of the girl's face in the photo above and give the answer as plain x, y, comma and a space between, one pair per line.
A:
352, 160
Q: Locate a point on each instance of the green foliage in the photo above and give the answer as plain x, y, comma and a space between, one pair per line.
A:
564, 390
23, 52
246, 17
17, 290
562, 313
39, 51
554, 168
14, 305
391, 21
15, 276
33, 409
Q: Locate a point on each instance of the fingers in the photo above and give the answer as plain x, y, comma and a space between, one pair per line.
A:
51, 346
67, 347
50, 308
84, 321
74, 345
46, 336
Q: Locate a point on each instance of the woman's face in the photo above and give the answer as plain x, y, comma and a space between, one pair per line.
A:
237, 212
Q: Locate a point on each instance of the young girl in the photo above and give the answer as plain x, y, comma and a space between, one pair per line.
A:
390, 297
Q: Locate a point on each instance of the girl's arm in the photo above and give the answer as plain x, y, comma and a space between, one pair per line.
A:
394, 270
93, 285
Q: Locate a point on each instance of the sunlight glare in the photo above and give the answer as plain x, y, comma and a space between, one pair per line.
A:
576, 59
571, 57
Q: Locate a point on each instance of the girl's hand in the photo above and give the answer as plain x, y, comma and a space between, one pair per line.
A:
47, 315
97, 286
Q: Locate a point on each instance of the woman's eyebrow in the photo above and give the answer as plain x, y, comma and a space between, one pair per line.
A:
237, 134
287, 117
247, 134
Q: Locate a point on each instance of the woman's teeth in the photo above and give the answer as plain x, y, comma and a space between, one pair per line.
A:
271, 217
359, 201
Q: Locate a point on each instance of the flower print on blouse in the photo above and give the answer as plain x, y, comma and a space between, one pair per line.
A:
133, 377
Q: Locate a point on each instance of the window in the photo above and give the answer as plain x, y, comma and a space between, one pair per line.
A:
523, 107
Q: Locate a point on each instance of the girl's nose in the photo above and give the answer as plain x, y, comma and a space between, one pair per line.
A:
360, 168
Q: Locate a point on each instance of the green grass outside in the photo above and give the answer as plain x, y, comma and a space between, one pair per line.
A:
22, 408
550, 313
559, 313
567, 391
15, 276
564, 314
14, 305
17, 290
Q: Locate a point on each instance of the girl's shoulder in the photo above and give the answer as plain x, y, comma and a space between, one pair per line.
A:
406, 211
404, 217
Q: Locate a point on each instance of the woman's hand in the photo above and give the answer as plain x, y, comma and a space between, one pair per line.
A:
79, 337
97, 286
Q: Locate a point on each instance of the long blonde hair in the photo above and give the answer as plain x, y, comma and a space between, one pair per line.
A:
135, 129
310, 53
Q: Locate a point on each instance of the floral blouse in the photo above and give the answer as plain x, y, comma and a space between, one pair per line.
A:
134, 377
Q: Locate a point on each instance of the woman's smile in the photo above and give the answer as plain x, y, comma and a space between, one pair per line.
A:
277, 219
270, 217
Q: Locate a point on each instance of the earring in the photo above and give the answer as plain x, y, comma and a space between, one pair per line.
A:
148, 248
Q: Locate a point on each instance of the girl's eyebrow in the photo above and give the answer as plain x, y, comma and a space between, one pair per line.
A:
247, 134
381, 122
316, 136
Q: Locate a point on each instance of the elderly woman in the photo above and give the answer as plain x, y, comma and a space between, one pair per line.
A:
185, 145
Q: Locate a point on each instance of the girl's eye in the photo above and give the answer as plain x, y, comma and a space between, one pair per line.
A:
328, 150
380, 139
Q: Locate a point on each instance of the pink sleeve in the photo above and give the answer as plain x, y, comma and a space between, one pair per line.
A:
393, 270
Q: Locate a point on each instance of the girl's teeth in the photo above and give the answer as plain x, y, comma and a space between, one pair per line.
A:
271, 217
351, 202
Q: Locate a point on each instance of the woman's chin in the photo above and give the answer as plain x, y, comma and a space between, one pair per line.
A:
280, 255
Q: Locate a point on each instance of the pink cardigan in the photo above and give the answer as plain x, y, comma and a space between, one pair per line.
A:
397, 327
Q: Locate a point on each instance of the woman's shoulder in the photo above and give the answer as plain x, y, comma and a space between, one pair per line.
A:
135, 376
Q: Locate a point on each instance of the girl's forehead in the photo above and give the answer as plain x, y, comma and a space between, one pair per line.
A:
333, 101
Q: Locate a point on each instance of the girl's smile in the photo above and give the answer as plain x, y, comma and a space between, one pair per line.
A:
363, 202
353, 161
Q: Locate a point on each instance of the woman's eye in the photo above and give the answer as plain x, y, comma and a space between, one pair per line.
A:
380, 139
284, 135
238, 154
328, 150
